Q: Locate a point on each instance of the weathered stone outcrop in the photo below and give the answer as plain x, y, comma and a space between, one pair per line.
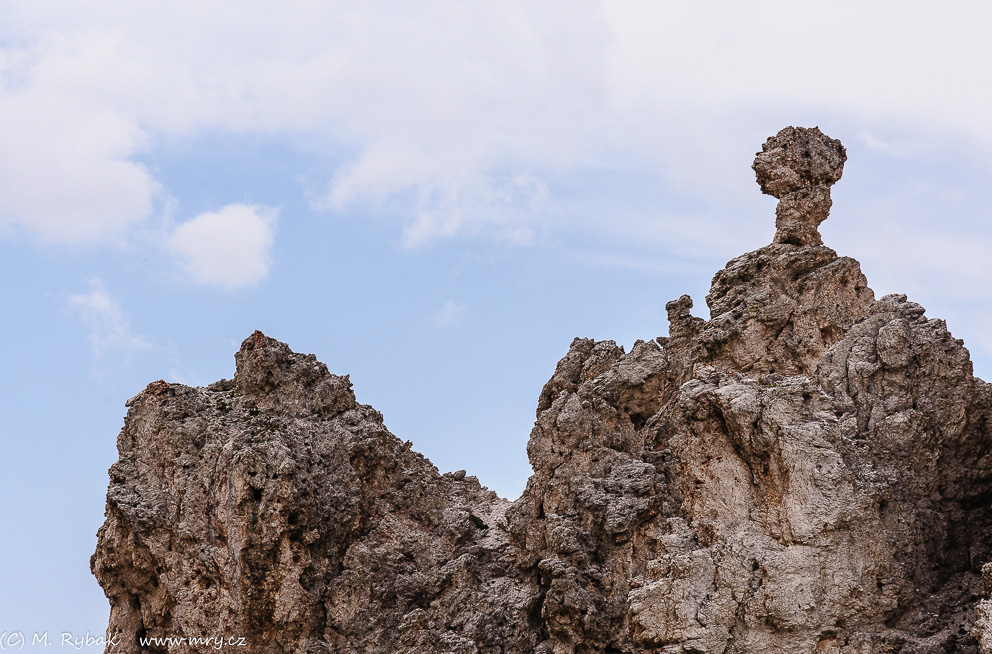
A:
808, 470
276, 508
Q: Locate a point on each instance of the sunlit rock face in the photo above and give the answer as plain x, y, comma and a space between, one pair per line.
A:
808, 470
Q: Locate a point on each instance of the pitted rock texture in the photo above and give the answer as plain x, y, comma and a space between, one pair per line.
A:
798, 166
807, 471
276, 508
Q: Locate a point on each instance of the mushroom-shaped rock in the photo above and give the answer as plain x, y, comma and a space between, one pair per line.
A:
798, 166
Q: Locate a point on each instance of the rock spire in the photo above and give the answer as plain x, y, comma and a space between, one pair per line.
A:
798, 166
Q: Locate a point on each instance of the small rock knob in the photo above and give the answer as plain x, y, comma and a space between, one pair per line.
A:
798, 166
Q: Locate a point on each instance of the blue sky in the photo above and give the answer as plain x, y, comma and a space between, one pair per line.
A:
434, 198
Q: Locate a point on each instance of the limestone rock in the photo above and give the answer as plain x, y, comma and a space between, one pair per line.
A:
808, 470
276, 508
798, 166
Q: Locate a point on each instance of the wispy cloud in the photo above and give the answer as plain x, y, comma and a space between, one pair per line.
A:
109, 324
451, 313
873, 142
229, 248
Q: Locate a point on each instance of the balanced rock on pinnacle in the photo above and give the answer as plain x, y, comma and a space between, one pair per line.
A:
798, 166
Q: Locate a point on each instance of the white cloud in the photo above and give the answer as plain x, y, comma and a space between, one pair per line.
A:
872, 142
505, 207
67, 167
109, 325
451, 313
445, 106
229, 248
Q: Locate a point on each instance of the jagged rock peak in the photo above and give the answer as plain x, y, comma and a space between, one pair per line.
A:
274, 377
798, 166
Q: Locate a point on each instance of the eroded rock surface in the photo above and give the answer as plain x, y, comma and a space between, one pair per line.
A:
276, 508
808, 470
798, 166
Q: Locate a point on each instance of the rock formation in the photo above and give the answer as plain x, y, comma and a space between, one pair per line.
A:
808, 471
798, 166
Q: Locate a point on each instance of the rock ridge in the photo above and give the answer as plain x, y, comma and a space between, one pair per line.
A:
808, 470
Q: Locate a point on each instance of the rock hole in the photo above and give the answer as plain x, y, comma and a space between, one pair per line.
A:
639, 420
